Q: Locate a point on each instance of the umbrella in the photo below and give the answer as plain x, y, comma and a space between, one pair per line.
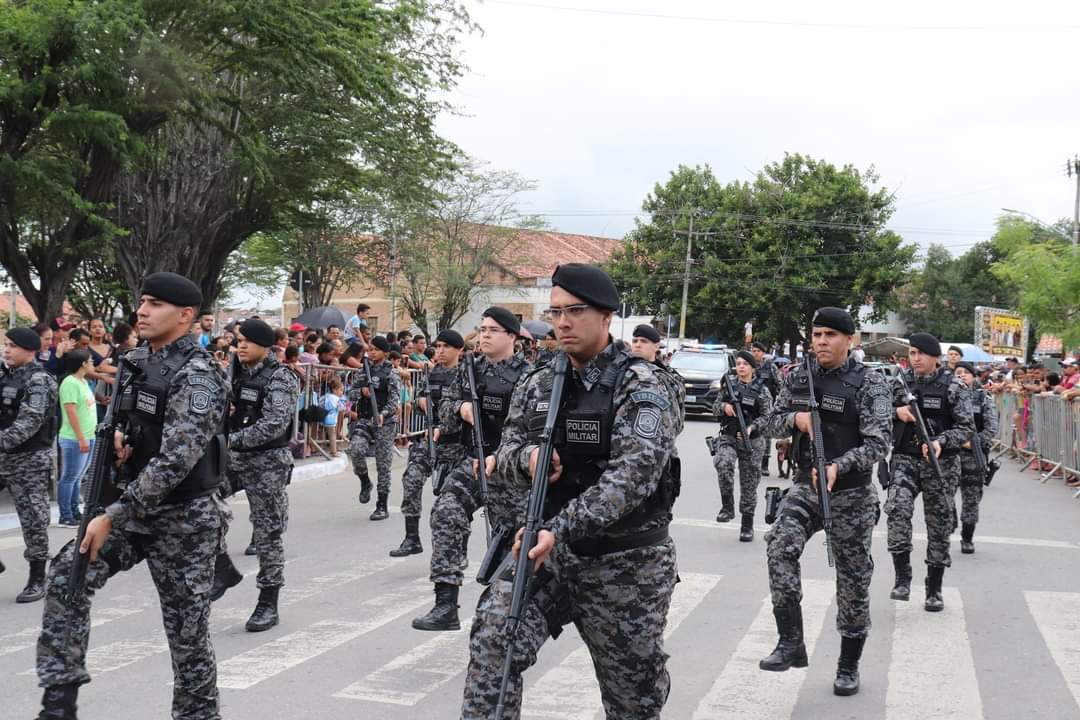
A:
322, 317
537, 328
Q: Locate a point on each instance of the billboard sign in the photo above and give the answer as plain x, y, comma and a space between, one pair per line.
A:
1002, 333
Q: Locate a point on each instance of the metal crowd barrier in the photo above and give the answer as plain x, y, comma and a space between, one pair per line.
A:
1041, 430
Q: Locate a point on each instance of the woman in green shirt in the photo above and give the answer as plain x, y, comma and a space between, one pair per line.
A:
78, 417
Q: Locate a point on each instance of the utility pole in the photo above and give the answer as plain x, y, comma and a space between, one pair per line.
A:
686, 281
1072, 168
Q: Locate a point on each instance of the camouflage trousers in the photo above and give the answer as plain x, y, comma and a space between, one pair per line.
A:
854, 514
729, 453
182, 568
419, 470
265, 475
619, 603
971, 490
913, 475
28, 476
366, 437
451, 524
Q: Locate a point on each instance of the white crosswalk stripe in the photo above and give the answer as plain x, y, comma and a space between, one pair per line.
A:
1057, 615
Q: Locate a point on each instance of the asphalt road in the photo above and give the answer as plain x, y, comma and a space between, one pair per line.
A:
1007, 645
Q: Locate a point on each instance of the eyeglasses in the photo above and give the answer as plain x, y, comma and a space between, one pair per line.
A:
573, 312
489, 330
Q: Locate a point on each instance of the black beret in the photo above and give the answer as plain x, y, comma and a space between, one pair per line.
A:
505, 318
648, 332
925, 342
967, 366
955, 348
25, 338
172, 288
380, 343
759, 346
835, 318
452, 338
748, 357
587, 282
258, 332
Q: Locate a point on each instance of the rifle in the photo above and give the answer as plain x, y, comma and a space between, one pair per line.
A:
429, 420
981, 466
819, 460
534, 516
920, 428
478, 438
371, 391
738, 413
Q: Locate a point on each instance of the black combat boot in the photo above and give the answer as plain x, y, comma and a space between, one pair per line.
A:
411, 544
902, 587
225, 576
2, 568
727, 511
265, 615
790, 650
934, 576
746, 533
381, 512
251, 549
967, 539
765, 463
35, 583
58, 702
444, 615
365, 489
847, 669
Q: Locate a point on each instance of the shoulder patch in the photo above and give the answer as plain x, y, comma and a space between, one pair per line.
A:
647, 422
200, 402
37, 399
203, 381
650, 398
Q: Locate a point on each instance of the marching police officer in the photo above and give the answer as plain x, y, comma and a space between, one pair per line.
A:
645, 344
378, 431
609, 505
946, 408
766, 370
28, 402
264, 395
547, 349
448, 448
497, 369
972, 481
855, 409
755, 401
168, 511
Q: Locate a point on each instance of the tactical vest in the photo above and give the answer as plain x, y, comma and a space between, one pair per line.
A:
143, 408
249, 395
437, 381
497, 382
380, 385
977, 408
837, 397
12, 394
933, 400
746, 396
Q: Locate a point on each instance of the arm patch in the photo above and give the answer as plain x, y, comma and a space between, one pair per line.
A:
650, 398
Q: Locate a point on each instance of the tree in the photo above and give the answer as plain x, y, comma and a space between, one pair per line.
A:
803, 235
99, 288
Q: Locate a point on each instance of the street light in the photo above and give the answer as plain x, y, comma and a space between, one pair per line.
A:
1040, 223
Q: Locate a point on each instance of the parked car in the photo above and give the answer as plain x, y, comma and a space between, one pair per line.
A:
702, 368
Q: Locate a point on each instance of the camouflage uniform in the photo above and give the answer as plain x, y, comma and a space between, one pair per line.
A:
730, 451
770, 375
618, 599
178, 538
26, 467
971, 483
855, 416
912, 475
365, 434
260, 462
448, 451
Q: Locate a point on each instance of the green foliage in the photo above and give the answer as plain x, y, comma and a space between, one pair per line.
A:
802, 235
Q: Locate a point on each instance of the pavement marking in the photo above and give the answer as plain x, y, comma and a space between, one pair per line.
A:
409, 678
243, 671
27, 638
570, 690
1055, 614
931, 670
742, 690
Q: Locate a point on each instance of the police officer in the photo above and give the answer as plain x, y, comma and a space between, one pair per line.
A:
264, 395
378, 431
755, 400
168, 511
497, 369
28, 402
609, 505
946, 408
448, 448
766, 370
954, 355
855, 410
984, 412
548, 347
645, 344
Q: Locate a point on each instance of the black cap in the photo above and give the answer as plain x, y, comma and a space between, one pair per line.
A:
759, 346
1012, 359
925, 342
967, 366
954, 348
648, 332
589, 283
25, 338
835, 318
380, 343
504, 317
258, 332
452, 338
748, 357
172, 288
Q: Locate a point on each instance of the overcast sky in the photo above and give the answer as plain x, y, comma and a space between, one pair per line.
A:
963, 107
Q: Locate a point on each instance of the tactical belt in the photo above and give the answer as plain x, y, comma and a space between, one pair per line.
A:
596, 547
453, 438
